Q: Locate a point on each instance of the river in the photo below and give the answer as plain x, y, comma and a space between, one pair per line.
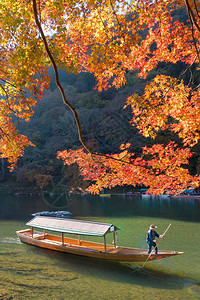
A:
28, 272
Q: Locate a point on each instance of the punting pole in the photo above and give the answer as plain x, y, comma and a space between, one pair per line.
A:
32, 232
63, 238
114, 238
105, 242
166, 229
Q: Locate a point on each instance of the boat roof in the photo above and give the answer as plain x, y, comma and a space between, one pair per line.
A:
71, 226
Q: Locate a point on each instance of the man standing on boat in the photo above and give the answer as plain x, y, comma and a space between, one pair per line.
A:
151, 241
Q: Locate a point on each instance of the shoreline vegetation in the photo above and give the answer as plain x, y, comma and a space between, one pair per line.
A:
102, 195
9, 187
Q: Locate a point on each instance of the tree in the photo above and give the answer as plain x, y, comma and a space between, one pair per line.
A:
106, 38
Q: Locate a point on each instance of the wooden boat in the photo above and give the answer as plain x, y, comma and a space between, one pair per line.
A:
79, 246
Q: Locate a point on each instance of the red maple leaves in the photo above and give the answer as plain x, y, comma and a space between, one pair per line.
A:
107, 38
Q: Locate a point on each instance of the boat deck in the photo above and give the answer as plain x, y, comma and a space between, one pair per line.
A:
68, 242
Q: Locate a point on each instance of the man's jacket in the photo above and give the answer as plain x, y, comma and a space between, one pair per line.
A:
151, 236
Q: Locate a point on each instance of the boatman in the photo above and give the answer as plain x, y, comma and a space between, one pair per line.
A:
151, 241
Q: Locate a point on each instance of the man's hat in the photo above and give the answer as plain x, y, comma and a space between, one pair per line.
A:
153, 227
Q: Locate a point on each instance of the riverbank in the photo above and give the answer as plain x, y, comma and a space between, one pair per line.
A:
127, 195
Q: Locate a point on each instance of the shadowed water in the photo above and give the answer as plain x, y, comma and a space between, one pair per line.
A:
28, 272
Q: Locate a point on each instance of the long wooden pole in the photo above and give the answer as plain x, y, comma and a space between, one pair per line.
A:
105, 242
156, 246
167, 229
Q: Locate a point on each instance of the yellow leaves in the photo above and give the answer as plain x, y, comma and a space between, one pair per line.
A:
105, 38
22, 58
12, 144
166, 97
125, 146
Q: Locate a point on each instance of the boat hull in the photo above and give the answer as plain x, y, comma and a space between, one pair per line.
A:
90, 249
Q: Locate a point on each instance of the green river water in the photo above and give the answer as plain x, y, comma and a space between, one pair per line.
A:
28, 272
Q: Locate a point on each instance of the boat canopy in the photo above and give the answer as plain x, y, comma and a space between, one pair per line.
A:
72, 226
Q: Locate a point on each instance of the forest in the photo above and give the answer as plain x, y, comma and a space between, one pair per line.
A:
106, 125
106, 116
52, 128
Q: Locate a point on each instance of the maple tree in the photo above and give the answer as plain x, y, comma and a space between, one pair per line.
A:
106, 38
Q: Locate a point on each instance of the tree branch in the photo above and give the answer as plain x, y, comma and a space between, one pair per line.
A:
63, 93
193, 23
57, 77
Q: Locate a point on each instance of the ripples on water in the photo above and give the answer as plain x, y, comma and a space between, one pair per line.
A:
27, 272
9, 240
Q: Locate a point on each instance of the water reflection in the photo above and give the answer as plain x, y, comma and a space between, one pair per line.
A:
33, 273
112, 271
22, 206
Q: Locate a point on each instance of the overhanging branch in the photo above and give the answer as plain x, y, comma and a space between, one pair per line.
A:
57, 77
63, 93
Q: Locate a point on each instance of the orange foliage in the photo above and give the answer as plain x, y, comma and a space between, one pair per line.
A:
159, 167
107, 38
